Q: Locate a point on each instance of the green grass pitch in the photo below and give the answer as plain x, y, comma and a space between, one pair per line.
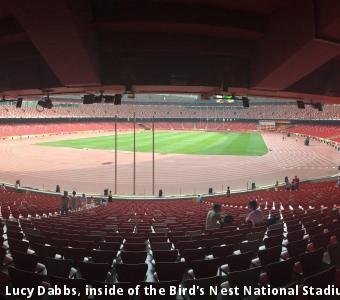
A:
180, 142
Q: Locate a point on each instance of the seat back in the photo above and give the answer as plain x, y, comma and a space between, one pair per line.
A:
311, 262
222, 251
45, 251
206, 267
273, 241
79, 285
131, 272
94, 271
297, 248
24, 261
250, 246
248, 277
165, 255
334, 253
321, 240
167, 271
24, 279
133, 257
295, 235
280, 273
270, 255
124, 285
193, 254
239, 262
103, 256
58, 267
206, 284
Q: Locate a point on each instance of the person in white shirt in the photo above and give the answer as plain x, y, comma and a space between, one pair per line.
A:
255, 216
214, 217
338, 182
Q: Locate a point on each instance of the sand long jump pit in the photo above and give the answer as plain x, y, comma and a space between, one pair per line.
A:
185, 162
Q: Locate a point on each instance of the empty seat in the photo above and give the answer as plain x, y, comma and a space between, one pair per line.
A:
94, 271
24, 261
123, 285
205, 267
321, 240
167, 271
76, 254
165, 255
103, 256
58, 267
222, 251
249, 277
24, 279
206, 284
311, 262
79, 285
44, 251
133, 257
334, 253
295, 235
297, 248
321, 280
18, 245
272, 241
158, 285
270, 255
280, 273
111, 246
237, 262
193, 254
131, 272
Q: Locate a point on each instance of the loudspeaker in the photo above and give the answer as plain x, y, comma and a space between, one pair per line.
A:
106, 192
317, 106
88, 99
109, 99
300, 104
19, 102
98, 99
210, 191
245, 102
118, 99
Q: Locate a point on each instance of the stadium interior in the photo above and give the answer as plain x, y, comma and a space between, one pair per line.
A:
126, 125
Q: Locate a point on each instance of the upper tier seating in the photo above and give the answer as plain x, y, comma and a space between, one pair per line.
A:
258, 112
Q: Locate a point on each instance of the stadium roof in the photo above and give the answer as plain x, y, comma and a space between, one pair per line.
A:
283, 48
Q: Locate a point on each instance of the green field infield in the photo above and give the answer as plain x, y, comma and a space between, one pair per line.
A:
180, 142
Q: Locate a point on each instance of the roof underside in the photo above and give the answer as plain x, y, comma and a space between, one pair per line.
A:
283, 48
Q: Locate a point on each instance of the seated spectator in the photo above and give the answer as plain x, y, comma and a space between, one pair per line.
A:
83, 201
255, 216
214, 217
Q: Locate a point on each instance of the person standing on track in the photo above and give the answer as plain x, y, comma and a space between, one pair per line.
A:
64, 203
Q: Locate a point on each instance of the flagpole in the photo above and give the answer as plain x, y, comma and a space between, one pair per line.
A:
153, 155
116, 162
134, 153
